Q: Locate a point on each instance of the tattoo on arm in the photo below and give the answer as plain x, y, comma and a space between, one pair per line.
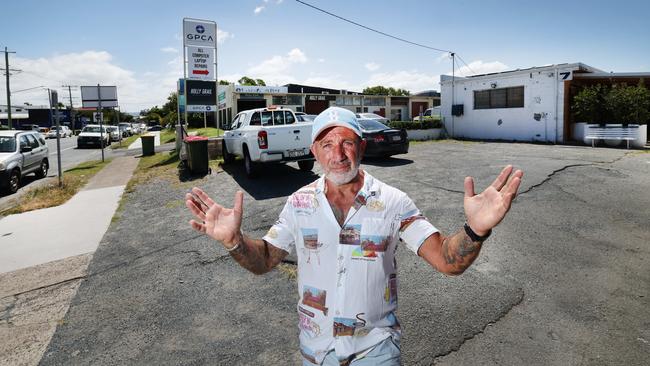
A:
257, 256
460, 251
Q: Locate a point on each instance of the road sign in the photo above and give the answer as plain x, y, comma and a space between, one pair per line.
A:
200, 63
98, 117
89, 97
202, 33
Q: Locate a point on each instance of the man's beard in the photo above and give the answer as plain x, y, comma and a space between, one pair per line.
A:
342, 178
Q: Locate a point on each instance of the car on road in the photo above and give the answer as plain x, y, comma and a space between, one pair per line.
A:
155, 128
21, 153
114, 132
381, 140
64, 132
93, 135
374, 116
127, 127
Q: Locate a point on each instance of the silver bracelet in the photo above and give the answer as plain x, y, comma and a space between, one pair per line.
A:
234, 248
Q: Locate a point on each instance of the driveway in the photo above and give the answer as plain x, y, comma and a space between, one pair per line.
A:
564, 280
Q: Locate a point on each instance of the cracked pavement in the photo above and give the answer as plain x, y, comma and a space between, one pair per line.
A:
564, 280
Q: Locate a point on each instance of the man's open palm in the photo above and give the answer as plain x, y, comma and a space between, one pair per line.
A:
486, 209
220, 223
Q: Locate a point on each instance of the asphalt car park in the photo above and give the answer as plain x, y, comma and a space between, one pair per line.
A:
563, 279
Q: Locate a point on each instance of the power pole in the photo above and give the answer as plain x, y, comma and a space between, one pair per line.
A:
8, 92
71, 107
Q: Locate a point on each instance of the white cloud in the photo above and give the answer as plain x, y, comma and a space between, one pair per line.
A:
372, 66
330, 81
169, 50
258, 9
296, 55
222, 36
412, 81
279, 1
321, 60
445, 56
91, 68
274, 71
479, 67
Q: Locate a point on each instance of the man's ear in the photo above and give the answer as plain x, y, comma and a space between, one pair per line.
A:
362, 148
313, 150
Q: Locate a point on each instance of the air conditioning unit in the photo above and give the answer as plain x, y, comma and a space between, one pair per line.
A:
457, 109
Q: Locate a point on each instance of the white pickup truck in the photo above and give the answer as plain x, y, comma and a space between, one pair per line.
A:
268, 135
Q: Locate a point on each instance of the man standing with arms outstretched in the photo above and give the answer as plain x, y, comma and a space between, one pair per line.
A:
345, 228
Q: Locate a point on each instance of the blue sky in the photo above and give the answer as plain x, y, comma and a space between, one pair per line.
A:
137, 44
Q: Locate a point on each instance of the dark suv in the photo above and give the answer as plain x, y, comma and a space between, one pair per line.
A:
21, 153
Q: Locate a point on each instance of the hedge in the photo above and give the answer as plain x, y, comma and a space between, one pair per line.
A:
414, 125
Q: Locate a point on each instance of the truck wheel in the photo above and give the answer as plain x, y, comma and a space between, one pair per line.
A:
306, 165
42, 171
227, 157
249, 165
14, 181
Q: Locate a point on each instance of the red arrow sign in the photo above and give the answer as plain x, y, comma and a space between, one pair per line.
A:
203, 72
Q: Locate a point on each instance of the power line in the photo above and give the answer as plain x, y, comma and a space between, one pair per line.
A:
372, 29
463, 61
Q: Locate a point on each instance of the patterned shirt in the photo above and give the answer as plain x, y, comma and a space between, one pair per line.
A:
347, 275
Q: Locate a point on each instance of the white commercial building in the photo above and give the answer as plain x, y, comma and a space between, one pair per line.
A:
519, 105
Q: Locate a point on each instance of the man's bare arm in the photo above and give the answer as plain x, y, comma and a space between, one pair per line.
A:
450, 255
256, 255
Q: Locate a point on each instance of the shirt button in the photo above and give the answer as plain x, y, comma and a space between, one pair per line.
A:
338, 312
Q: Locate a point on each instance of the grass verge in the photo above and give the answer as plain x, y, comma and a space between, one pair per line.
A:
162, 165
125, 142
51, 194
167, 136
170, 135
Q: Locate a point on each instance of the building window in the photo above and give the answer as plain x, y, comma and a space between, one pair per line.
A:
374, 101
499, 98
287, 100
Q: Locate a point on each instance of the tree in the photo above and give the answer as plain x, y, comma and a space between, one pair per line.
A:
224, 82
169, 110
382, 90
629, 104
245, 80
589, 104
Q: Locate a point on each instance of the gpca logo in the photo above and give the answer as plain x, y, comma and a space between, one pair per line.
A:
199, 35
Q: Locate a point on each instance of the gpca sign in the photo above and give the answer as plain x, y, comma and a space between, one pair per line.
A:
199, 33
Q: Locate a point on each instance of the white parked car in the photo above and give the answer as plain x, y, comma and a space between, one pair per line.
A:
64, 132
21, 153
268, 135
93, 135
126, 126
114, 132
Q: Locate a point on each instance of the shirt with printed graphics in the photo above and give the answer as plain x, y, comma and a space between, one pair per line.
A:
347, 275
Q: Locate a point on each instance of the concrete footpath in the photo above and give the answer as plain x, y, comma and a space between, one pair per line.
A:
45, 255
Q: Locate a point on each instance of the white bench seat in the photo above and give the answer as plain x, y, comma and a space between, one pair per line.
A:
629, 133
